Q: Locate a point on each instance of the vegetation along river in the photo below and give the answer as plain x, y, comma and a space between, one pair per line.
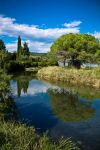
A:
60, 109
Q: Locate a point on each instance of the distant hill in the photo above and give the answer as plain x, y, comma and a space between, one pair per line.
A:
38, 54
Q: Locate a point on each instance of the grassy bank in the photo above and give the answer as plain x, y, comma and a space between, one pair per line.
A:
86, 77
14, 136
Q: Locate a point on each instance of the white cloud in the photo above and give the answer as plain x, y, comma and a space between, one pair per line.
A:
35, 87
35, 46
9, 27
39, 39
11, 47
40, 47
72, 24
97, 35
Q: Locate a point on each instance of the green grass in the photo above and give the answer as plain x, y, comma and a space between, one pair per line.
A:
14, 136
86, 77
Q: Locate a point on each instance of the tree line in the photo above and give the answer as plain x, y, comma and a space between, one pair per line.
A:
11, 61
74, 49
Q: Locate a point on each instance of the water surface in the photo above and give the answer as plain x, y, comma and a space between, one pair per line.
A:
59, 108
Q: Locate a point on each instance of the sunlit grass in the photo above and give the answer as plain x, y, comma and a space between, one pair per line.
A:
89, 77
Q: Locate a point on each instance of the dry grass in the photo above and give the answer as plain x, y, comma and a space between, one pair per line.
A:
87, 77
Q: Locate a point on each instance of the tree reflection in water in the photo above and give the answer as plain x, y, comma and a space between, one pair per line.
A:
22, 82
7, 104
22, 85
68, 107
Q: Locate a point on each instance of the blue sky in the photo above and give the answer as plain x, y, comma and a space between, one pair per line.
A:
40, 22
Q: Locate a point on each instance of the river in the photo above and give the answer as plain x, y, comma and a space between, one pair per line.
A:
60, 109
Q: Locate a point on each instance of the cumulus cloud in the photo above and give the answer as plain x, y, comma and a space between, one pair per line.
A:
9, 27
40, 47
72, 24
39, 39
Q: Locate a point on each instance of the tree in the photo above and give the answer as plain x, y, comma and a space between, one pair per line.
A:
64, 57
3, 54
7, 104
2, 46
22, 51
26, 49
19, 46
80, 47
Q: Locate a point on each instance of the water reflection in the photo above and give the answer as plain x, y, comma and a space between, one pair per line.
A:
22, 82
7, 104
85, 92
67, 106
62, 109
65, 102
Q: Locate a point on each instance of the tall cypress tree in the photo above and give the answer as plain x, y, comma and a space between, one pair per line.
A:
18, 46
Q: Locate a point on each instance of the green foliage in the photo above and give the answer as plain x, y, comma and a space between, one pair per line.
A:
82, 47
18, 46
25, 49
2, 45
22, 51
7, 105
47, 61
34, 64
3, 54
14, 66
11, 56
16, 136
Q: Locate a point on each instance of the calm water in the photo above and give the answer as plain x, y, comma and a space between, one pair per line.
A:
61, 109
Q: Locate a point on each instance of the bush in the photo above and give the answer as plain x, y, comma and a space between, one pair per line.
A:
42, 64
47, 63
26, 64
34, 64
14, 66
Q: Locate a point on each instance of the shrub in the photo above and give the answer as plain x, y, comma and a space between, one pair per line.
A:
34, 64
14, 66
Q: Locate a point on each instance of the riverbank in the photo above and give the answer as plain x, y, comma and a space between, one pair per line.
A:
32, 69
22, 137
86, 77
